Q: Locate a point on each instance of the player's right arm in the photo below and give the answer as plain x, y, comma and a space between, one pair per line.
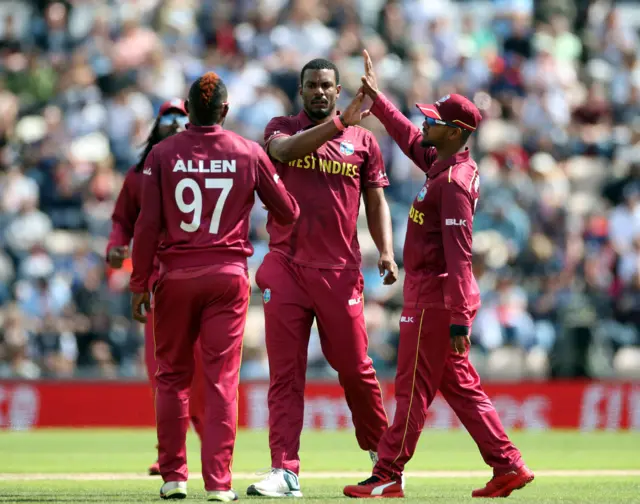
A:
282, 146
123, 221
281, 205
406, 134
148, 226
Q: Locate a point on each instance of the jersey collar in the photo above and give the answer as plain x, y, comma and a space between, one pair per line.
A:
440, 166
305, 121
203, 129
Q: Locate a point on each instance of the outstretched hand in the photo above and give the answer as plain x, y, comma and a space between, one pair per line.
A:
369, 80
353, 114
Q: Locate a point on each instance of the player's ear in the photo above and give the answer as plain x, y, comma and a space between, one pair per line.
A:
338, 89
225, 110
300, 89
186, 106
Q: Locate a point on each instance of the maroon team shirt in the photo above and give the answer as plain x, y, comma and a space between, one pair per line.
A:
125, 214
327, 184
437, 249
126, 210
197, 194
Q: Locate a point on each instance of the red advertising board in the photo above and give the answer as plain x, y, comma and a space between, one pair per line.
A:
571, 405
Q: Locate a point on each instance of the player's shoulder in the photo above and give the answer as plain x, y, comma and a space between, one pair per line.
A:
465, 175
363, 136
239, 143
168, 144
288, 125
132, 176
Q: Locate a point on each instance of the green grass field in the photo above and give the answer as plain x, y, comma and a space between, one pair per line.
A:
109, 465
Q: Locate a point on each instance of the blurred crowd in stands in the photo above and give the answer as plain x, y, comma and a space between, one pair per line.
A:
557, 229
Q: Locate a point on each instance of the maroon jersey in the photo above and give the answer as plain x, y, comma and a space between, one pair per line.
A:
437, 249
327, 184
126, 210
197, 194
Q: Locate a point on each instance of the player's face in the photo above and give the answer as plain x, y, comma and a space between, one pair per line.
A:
319, 93
437, 134
171, 123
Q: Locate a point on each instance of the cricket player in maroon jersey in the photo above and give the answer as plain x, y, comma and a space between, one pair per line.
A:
313, 268
171, 119
197, 194
441, 298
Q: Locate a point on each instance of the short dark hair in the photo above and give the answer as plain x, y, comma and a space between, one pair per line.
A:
206, 97
320, 64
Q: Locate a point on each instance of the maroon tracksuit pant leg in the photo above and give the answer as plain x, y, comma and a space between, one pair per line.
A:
293, 295
339, 306
288, 315
196, 402
213, 305
427, 364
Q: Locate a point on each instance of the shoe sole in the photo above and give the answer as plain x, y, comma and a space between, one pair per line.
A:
153, 472
391, 495
180, 494
254, 492
215, 498
507, 490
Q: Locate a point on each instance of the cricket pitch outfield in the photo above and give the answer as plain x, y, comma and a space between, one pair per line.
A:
82, 465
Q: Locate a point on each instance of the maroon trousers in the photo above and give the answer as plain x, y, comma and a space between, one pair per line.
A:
196, 401
293, 295
211, 303
426, 364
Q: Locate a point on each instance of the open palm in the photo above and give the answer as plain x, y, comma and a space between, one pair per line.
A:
369, 80
353, 114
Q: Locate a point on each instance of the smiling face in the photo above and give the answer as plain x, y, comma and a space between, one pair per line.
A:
319, 93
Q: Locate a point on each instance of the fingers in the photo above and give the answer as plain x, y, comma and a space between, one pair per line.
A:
137, 313
391, 270
390, 279
460, 344
137, 302
367, 61
366, 113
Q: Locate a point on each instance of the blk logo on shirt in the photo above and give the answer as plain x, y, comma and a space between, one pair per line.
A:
406, 320
355, 301
455, 222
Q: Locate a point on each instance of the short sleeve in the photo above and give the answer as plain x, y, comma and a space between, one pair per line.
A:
277, 127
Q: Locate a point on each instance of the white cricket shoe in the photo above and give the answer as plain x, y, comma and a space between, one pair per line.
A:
277, 483
174, 490
374, 460
222, 496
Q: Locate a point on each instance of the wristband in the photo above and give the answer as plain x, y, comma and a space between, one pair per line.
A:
339, 124
458, 330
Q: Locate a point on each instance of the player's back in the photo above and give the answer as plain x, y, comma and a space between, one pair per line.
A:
208, 176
